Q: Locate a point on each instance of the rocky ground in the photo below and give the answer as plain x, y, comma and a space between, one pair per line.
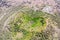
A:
49, 6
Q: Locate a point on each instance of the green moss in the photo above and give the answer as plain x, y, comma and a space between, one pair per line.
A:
29, 23
26, 18
39, 21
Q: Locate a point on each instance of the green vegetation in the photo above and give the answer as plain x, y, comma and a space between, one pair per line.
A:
39, 21
28, 23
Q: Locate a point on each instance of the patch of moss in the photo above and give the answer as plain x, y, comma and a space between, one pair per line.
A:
34, 22
39, 21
